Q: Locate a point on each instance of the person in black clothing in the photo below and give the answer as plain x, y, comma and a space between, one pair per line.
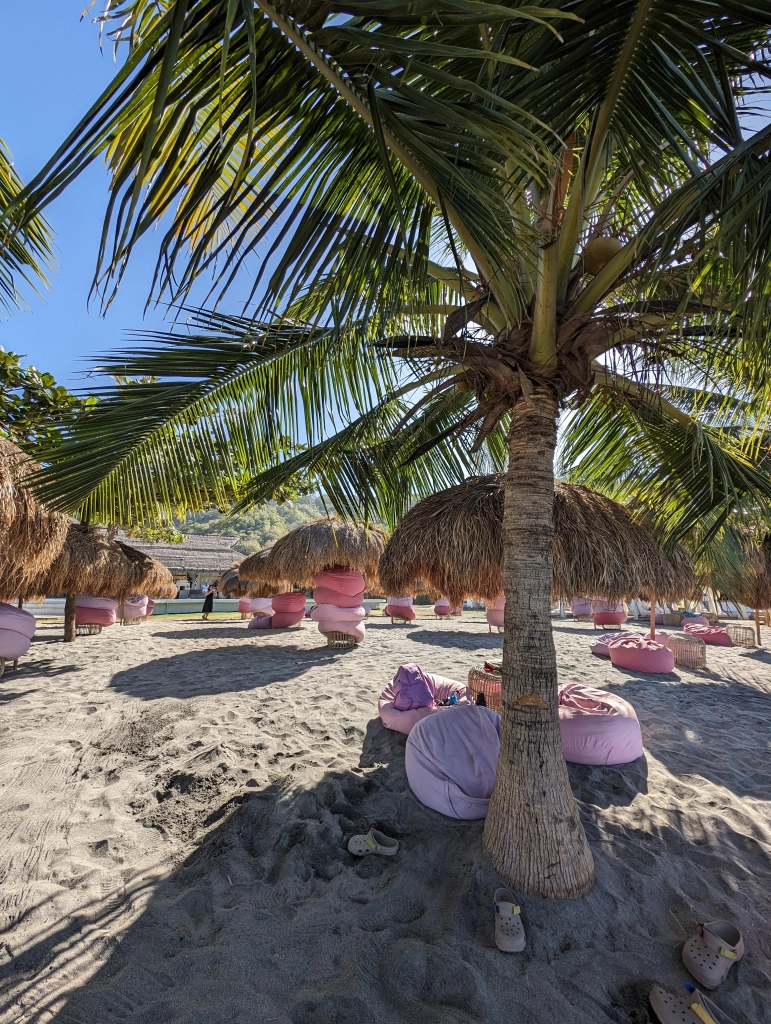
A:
208, 603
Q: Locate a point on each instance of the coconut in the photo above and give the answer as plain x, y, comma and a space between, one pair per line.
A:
600, 251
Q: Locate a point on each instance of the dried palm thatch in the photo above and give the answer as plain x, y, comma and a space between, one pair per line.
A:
753, 587
258, 578
30, 536
313, 547
454, 542
151, 577
231, 584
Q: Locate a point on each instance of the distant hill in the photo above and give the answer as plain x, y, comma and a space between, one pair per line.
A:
260, 528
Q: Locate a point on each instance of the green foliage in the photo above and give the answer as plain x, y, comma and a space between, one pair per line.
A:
260, 527
33, 407
24, 256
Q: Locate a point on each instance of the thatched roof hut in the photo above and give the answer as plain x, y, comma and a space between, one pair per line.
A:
453, 541
313, 547
256, 575
231, 585
753, 586
30, 536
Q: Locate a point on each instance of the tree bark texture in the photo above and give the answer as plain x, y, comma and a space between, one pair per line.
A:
533, 833
69, 618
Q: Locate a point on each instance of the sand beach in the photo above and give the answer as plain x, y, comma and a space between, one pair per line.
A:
176, 798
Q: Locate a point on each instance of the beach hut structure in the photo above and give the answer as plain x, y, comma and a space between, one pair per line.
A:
340, 560
753, 585
453, 541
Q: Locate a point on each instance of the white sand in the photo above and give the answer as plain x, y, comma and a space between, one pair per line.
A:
175, 800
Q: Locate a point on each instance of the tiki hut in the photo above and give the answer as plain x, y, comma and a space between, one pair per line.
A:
752, 587
453, 541
258, 578
30, 536
314, 547
231, 585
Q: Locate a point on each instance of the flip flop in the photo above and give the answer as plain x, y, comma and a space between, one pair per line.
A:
509, 933
373, 842
692, 1008
709, 953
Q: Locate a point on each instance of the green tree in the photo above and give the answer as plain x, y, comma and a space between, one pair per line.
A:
33, 407
528, 207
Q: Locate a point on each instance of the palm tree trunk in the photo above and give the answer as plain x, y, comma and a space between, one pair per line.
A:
533, 833
69, 618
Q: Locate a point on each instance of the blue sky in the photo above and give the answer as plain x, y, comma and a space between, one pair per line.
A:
52, 71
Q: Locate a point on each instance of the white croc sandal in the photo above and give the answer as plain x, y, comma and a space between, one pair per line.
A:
692, 1007
709, 953
373, 842
509, 933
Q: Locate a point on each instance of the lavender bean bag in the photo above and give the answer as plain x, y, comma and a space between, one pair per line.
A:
412, 694
495, 611
17, 620
89, 601
451, 760
323, 595
355, 628
597, 727
716, 636
641, 654
259, 606
341, 580
13, 644
599, 644
581, 606
134, 607
260, 622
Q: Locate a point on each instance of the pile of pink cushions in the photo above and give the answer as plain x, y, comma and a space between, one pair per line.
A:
442, 607
606, 614
716, 636
134, 607
581, 606
600, 644
95, 611
412, 695
641, 654
262, 611
17, 628
694, 620
400, 607
495, 612
597, 727
245, 605
339, 593
288, 609
451, 760
150, 606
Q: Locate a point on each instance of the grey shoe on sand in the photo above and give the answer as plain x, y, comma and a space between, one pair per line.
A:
692, 1007
509, 933
373, 842
709, 953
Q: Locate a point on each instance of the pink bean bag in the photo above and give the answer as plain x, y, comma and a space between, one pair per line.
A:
331, 613
89, 601
150, 606
13, 644
260, 622
400, 611
451, 760
282, 620
259, 605
599, 644
355, 629
716, 636
95, 616
606, 616
245, 605
293, 602
341, 580
442, 607
495, 611
581, 606
411, 696
323, 595
694, 620
134, 607
597, 727
17, 619
641, 654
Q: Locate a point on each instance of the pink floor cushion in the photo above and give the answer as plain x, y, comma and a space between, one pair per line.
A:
134, 607
294, 602
150, 606
495, 617
451, 759
442, 607
609, 618
581, 606
356, 629
341, 580
716, 636
323, 595
694, 620
13, 644
641, 654
331, 613
282, 620
597, 727
259, 605
599, 644
401, 718
260, 622
245, 605
89, 601
95, 616
400, 611
17, 619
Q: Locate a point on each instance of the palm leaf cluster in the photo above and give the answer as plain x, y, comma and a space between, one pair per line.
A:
26, 256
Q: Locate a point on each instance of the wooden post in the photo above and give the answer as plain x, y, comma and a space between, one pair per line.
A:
653, 618
757, 624
69, 618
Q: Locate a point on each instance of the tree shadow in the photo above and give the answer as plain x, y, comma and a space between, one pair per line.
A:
8, 696
604, 786
460, 640
36, 668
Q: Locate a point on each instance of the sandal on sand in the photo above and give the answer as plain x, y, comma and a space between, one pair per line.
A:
509, 933
373, 842
692, 1008
709, 953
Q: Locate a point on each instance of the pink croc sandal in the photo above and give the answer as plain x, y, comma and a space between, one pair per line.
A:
691, 1008
709, 953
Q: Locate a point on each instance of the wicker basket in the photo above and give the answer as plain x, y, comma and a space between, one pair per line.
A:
90, 630
498, 629
741, 636
130, 622
486, 687
340, 640
690, 651
400, 618
672, 619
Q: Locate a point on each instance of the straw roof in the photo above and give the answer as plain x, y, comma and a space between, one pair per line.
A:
313, 547
753, 588
255, 573
453, 541
30, 536
151, 577
233, 585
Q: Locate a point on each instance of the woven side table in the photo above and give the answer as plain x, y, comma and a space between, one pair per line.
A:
690, 651
486, 687
341, 640
741, 636
672, 619
90, 630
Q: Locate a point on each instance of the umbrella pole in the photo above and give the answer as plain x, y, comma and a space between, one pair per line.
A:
69, 618
757, 624
653, 618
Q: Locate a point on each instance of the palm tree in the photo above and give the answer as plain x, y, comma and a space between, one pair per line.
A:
532, 208
24, 256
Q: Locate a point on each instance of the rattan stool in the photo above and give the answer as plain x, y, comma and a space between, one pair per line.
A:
690, 651
741, 636
92, 629
671, 619
340, 640
486, 687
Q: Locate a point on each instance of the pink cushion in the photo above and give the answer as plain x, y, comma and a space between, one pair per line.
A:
495, 616
260, 622
355, 629
323, 595
402, 611
282, 620
260, 605
331, 613
451, 760
597, 727
694, 620
341, 580
134, 607
599, 644
150, 606
95, 616
17, 619
13, 644
89, 601
245, 604
609, 618
716, 636
403, 721
395, 600
581, 606
641, 654
442, 607
293, 602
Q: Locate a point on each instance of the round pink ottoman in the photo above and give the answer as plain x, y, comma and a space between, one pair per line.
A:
134, 607
399, 607
342, 581
150, 606
600, 644
494, 612
694, 620
641, 654
581, 606
288, 609
323, 595
95, 616
716, 636
442, 607
17, 620
606, 614
244, 605
597, 727
404, 717
354, 628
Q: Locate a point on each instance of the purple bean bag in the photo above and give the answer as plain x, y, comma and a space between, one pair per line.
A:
400, 707
597, 727
581, 606
134, 607
716, 636
451, 760
495, 611
641, 654
13, 644
260, 622
17, 620
599, 644
341, 580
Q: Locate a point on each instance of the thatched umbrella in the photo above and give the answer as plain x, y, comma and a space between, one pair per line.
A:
30, 536
453, 541
257, 579
313, 547
753, 587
